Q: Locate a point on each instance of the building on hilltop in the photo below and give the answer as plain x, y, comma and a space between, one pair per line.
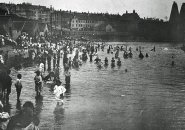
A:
82, 23
128, 26
13, 25
29, 11
61, 20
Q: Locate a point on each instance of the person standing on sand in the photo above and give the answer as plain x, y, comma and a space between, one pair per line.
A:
67, 77
18, 86
38, 83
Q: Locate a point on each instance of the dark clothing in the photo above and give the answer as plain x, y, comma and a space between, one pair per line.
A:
18, 86
20, 121
70, 63
90, 57
119, 63
141, 55
58, 61
54, 60
67, 79
9, 84
58, 58
92, 49
106, 61
18, 90
38, 84
49, 62
97, 60
9, 81
65, 58
84, 57
113, 61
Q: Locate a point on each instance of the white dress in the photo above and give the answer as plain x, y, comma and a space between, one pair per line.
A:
41, 68
58, 91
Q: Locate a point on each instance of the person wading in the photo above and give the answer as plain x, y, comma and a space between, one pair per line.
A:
38, 83
18, 86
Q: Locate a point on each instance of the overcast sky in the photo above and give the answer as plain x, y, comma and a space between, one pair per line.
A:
145, 8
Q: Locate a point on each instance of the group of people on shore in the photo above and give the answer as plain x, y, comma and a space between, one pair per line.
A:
48, 55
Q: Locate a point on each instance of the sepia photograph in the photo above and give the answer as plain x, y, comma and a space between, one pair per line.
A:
92, 64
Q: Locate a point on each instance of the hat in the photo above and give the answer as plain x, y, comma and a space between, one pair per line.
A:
58, 81
37, 72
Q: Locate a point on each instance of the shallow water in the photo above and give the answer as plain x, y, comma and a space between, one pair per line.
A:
149, 96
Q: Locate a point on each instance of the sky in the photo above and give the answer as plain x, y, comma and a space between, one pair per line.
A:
145, 8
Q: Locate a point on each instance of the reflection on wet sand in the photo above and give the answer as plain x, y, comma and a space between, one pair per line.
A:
38, 105
18, 105
59, 114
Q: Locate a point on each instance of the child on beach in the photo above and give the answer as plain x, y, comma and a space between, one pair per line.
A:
38, 83
67, 77
18, 86
119, 62
113, 62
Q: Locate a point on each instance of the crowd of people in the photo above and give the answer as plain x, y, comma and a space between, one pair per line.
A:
47, 53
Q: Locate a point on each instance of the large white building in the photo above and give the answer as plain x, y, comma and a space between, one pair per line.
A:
83, 24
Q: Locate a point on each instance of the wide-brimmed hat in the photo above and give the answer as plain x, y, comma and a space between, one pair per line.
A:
58, 81
37, 72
